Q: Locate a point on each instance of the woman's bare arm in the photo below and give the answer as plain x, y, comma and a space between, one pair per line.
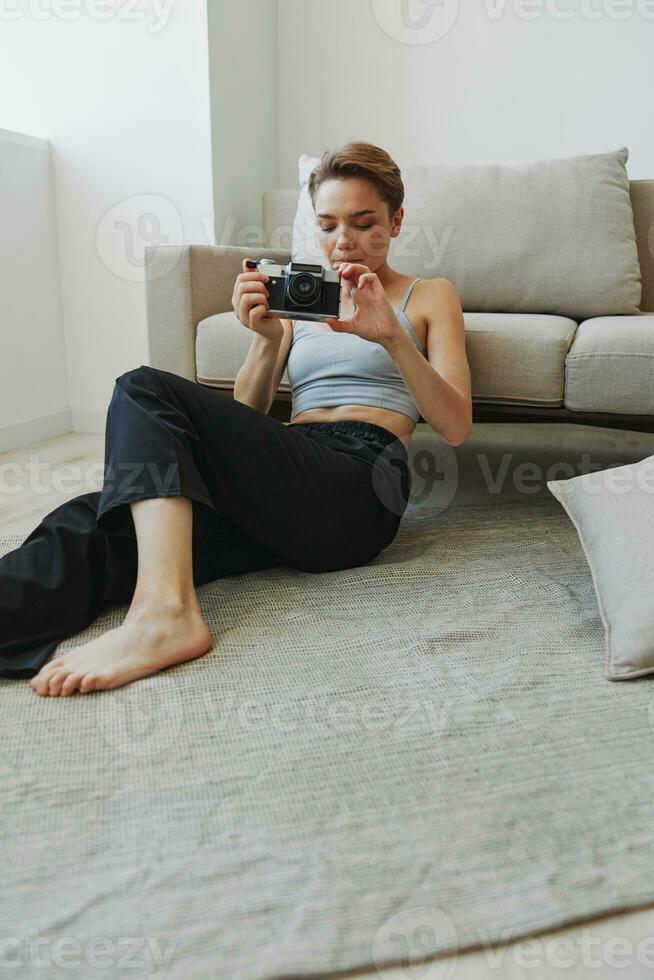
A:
258, 378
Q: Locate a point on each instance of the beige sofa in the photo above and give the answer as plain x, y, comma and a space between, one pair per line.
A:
524, 366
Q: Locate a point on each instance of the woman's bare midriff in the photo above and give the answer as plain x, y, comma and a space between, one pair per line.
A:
396, 422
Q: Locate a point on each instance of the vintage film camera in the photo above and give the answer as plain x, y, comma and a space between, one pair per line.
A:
300, 290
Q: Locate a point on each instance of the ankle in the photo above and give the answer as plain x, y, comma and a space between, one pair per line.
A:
162, 604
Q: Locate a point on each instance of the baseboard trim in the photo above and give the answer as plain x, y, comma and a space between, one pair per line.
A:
17, 435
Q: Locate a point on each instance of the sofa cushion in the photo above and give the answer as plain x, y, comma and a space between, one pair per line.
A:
612, 510
221, 346
518, 358
514, 358
552, 236
610, 365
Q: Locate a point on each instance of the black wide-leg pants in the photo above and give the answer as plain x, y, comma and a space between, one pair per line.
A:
317, 496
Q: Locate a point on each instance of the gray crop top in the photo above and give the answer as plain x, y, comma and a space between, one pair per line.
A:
326, 368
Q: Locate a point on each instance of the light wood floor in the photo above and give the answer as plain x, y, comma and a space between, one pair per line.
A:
37, 478
50, 472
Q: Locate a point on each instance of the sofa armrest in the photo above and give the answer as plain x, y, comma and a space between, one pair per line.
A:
183, 285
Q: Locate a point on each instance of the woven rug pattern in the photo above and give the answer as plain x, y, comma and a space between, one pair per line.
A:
429, 739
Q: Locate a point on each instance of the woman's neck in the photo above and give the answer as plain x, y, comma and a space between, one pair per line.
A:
388, 277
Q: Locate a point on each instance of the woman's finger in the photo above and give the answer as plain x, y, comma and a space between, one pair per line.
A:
368, 277
252, 287
250, 301
248, 305
352, 268
342, 325
259, 312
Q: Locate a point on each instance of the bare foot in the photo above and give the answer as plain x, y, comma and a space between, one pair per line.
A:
138, 647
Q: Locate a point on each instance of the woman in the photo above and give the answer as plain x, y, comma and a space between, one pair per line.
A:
214, 486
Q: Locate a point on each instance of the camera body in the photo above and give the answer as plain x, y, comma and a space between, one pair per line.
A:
301, 290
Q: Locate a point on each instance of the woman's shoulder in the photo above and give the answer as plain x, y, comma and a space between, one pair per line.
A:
430, 294
439, 294
438, 284
428, 300
426, 286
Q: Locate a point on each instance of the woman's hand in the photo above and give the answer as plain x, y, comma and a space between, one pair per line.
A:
374, 318
250, 302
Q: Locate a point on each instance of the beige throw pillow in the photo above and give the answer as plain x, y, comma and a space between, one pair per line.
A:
613, 513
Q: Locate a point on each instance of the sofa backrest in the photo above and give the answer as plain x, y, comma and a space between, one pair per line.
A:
279, 208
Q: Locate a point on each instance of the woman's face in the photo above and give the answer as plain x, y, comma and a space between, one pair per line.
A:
346, 235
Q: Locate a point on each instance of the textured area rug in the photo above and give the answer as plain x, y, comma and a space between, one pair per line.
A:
408, 758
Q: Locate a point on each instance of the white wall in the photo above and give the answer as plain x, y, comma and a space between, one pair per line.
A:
33, 384
124, 102
491, 89
156, 108
243, 73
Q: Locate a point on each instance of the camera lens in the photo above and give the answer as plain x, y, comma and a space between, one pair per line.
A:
303, 288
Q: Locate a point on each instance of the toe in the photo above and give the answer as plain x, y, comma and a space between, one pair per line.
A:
54, 682
39, 685
45, 672
42, 679
70, 683
88, 683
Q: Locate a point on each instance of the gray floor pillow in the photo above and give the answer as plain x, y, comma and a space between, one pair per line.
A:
613, 512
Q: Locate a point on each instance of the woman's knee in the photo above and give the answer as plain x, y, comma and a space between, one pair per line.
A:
142, 377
